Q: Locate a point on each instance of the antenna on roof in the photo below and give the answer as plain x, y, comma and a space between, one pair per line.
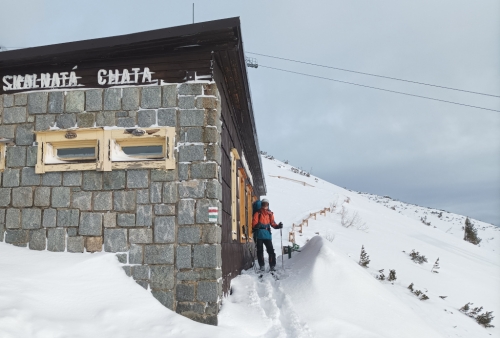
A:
251, 62
193, 12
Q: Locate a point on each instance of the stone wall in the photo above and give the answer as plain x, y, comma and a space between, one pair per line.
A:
155, 220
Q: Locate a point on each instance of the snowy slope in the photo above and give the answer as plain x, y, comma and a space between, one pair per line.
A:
328, 294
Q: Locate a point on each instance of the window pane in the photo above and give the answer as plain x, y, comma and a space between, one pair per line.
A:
84, 153
145, 151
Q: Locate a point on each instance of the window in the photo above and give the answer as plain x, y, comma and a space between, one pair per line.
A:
243, 208
249, 212
105, 149
234, 187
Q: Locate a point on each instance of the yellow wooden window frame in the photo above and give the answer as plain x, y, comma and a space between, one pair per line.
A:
3, 149
249, 212
152, 136
242, 199
103, 139
64, 139
234, 187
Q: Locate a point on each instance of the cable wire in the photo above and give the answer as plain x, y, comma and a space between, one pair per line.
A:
381, 76
382, 89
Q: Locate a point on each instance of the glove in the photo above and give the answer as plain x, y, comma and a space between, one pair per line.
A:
280, 226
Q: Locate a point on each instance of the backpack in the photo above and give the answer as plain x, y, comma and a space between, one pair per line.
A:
256, 207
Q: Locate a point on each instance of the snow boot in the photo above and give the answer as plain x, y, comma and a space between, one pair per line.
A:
262, 268
272, 268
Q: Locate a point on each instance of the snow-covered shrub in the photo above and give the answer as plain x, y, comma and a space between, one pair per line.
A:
381, 275
410, 287
417, 257
392, 275
418, 293
364, 258
470, 234
424, 220
482, 319
436, 266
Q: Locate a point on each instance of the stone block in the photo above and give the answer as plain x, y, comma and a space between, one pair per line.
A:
68, 218
186, 308
214, 153
144, 215
191, 189
105, 119
31, 154
72, 178
112, 99
42, 197
214, 190
170, 192
183, 171
191, 153
38, 239
209, 102
82, 200
125, 122
189, 235
5, 197
122, 258
65, 121
11, 177
60, 197
155, 192
203, 170
163, 175
124, 200
72, 232
211, 135
90, 224
126, 220
166, 298
115, 240
151, 97
137, 179
143, 283
37, 102
191, 117
92, 180
76, 244
85, 120
141, 272
93, 244
8, 100
165, 209
135, 254
20, 99
140, 236
13, 219
130, 98
15, 157
207, 291
169, 96
191, 89
202, 209
103, 200
167, 117
31, 219
146, 118
75, 101
213, 119
128, 270
109, 219
51, 179
121, 114
56, 239
22, 197
142, 196
207, 256
191, 134
159, 254
164, 229
44, 122
186, 102
183, 258
210, 274
49, 218
184, 292
16, 236
14, 115
188, 275
162, 276
56, 103
93, 100
25, 135
186, 211
7, 131
114, 180
211, 234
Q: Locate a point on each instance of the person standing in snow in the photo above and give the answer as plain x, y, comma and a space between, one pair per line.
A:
262, 222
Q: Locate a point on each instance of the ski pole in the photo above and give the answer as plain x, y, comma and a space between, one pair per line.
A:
282, 263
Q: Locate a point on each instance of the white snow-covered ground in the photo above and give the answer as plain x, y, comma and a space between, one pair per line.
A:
322, 291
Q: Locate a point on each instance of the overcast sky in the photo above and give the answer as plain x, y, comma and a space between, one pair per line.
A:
424, 152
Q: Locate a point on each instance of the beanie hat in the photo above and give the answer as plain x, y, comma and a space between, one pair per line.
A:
265, 200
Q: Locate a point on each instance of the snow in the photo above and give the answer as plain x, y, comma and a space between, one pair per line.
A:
321, 291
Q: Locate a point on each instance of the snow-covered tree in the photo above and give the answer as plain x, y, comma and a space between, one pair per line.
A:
364, 258
381, 276
436, 266
485, 319
392, 275
417, 257
470, 234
